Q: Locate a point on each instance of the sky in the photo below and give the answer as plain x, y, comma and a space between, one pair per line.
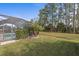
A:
26, 11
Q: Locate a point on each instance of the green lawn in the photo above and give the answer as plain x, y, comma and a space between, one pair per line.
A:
48, 44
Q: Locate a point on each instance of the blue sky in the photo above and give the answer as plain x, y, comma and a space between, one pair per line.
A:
22, 10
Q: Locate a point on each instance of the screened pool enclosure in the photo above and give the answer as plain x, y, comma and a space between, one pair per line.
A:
8, 25
7, 32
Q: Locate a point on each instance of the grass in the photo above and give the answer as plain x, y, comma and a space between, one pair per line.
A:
48, 44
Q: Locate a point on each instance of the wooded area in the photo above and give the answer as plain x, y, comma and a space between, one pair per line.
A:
60, 17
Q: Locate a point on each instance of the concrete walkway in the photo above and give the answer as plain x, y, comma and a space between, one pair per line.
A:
7, 42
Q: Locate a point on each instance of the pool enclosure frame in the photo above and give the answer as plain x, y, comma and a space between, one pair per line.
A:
8, 32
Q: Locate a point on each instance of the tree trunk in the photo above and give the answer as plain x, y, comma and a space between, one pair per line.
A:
74, 19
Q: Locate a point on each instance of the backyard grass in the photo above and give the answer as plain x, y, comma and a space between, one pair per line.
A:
47, 44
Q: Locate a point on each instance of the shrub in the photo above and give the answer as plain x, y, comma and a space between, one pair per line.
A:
21, 33
37, 27
61, 27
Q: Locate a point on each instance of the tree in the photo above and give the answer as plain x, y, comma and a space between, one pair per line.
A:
61, 27
74, 18
52, 14
36, 26
64, 13
43, 15
68, 17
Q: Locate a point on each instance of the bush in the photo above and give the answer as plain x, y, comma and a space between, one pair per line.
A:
37, 27
50, 28
61, 27
21, 33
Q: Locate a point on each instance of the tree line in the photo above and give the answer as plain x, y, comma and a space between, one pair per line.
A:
53, 17
60, 17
